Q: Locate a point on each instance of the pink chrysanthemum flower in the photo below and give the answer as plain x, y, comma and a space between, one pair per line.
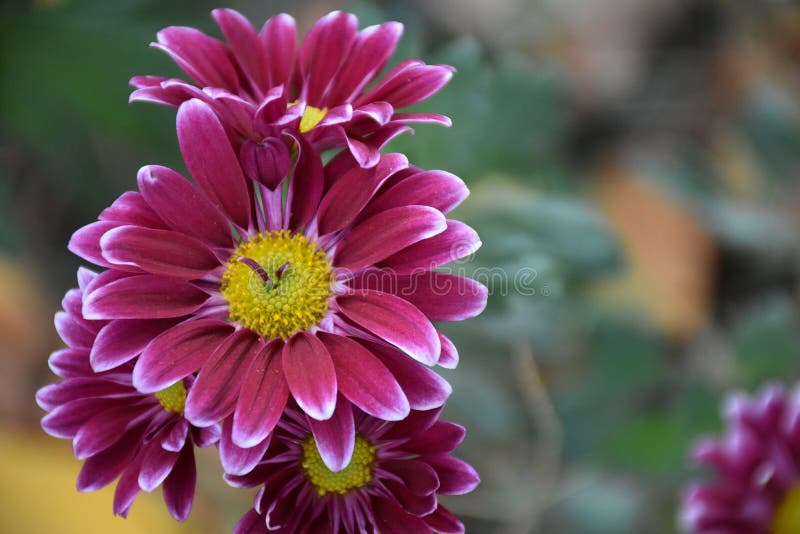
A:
756, 488
141, 438
261, 83
268, 298
390, 485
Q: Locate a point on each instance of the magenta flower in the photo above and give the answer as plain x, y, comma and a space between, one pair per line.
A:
756, 487
262, 83
141, 438
390, 485
266, 298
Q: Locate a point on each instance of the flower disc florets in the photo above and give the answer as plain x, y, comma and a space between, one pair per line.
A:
288, 293
357, 474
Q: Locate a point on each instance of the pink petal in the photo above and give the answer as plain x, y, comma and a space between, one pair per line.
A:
176, 438
364, 380
369, 54
335, 437
279, 39
157, 464
350, 193
211, 160
177, 353
102, 430
262, 398
378, 112
182, 206
424, 389
440, 439
449, 356
143, 296
85, 242
324, 49
305, 188
416, 423
391, 519
251, 523
179, 486
73, 334
437, 189
408, 83
418, 476
69, 362
160, 252
310, 375
101, 469
387, 233
456, 477
243, 41
127, 489
444, 522
442, 296
132, 208
122, 340
237, 460
418, 505
205, 59
267, 162
456, 242
434, 118
213, 395
394, 320
64, 420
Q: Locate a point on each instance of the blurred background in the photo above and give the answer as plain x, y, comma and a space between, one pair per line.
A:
634, 170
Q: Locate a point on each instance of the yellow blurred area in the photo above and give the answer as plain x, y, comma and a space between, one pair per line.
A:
38, 495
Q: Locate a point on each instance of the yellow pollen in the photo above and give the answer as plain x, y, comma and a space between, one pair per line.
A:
173, 398
357, 474
295, 300
311, 116
787, 516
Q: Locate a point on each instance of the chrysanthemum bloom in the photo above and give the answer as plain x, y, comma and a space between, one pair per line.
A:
389, 486
756, 487
261, 83
141, 438
267, 297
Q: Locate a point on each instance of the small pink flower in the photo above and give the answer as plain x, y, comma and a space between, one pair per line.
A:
142, 439
262, 83
330, 290
756, 484
391, 484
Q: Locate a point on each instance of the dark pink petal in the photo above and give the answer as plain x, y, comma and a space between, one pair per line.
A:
176, 438
449, 356
143, 296
262, 398
377, 112
279, 39
85, 242
156, 95
243, 41
305, 189
132, 208
418, 505
237, 460
335, 437
372, 49
267, 162
102, 430
211, 160
456, 242
177, 353
182, 206
101, 469
444, 522
234, 111
442, 438
157, 464
416, 423
67, 363
433, 118
72, 332
85, 277
394, 320
53, 395
444, 297
456, 477
127, 489
324, 49
123, 339
251, 523
160, 252
66, 419
337, 115
419, 477
179, 486
424, 389
408, 83
437, 189
387, 233
213, 395
310, 375
203, 58
364, 380
204, 437
390, 518
350, 193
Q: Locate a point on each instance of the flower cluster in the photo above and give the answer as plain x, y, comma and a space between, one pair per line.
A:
275, 305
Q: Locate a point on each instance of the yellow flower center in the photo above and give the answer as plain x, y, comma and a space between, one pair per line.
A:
277, 283
787, 515
173, 398
311, 116
357, 474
